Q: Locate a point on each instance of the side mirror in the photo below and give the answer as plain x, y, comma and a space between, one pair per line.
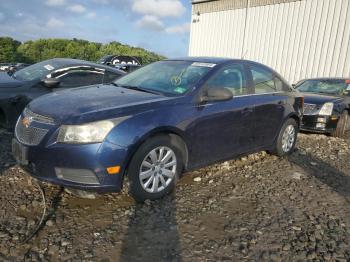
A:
217, 94
51, 82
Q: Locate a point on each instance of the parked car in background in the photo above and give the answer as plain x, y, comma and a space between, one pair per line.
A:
17, 66
155, 123
19, 88
119, 59
4, 66
12, 67
327, 102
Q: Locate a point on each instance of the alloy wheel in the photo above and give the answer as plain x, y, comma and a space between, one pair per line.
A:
158, 169
288, 138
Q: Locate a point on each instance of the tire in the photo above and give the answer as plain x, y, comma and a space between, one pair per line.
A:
156, 171
280, 148
342, 125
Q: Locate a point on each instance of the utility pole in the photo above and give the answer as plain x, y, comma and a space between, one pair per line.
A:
243, 51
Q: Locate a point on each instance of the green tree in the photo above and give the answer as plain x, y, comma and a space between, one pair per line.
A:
8, 49
42, 49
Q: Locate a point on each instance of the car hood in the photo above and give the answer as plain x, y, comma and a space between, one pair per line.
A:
7, 81
93, 103
319, 99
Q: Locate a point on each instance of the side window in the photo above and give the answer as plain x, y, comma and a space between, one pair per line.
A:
231, 77
279, 84
263, 80
77, 78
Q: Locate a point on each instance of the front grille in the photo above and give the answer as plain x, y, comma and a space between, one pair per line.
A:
310, 109
82, 176
30, 135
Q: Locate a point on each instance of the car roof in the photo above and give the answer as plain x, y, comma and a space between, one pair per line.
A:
202, 59
214, 60
66, 62
325, 78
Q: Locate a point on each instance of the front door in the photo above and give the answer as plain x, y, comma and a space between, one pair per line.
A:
224, 128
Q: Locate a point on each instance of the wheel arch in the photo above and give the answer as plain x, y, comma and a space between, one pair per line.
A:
173, 132
295, 117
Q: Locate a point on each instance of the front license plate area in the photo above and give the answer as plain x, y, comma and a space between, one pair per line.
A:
19, 152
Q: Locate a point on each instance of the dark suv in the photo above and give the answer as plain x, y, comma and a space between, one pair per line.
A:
156, 122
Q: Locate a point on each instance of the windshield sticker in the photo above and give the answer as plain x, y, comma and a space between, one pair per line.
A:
211, 65
180, 90
49, 67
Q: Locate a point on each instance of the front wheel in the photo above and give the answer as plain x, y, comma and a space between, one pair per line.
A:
155, 168
286, 139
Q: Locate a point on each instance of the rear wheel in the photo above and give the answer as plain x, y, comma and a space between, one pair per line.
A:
155, 168
286, 139
342, 125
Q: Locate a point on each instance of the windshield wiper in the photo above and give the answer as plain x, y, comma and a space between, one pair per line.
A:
137, 89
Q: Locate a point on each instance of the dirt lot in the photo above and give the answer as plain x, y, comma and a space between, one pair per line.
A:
255, 208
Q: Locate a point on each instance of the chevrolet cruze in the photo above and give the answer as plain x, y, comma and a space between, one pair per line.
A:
155, 123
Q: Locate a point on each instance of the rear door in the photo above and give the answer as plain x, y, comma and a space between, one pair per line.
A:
224, 128
269, 100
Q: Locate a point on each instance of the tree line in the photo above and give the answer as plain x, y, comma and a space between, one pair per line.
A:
12, 50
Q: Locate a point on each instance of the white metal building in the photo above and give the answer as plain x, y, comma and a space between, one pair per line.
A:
298, 38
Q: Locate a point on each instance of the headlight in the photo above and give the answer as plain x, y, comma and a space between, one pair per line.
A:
326, 109
94, 132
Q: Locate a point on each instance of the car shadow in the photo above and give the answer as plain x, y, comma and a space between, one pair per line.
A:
152, 233
337, 180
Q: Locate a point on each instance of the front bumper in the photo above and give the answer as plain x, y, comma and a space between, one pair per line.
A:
319, 124
76, 166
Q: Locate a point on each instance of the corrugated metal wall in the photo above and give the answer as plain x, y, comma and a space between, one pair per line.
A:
301, 39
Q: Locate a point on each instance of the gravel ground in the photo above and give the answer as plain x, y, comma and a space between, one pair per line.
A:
258, 207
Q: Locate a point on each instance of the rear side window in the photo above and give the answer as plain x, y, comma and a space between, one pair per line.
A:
75, 78
265, 81
231, 77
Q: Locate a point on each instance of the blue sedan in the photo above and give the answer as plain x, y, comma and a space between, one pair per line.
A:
155, 123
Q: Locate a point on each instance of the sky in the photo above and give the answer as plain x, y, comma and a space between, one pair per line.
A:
161, 26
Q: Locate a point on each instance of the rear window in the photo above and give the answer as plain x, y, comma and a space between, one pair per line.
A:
266, 81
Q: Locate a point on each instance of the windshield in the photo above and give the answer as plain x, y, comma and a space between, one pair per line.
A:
328, 86
37, 71
166, 77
